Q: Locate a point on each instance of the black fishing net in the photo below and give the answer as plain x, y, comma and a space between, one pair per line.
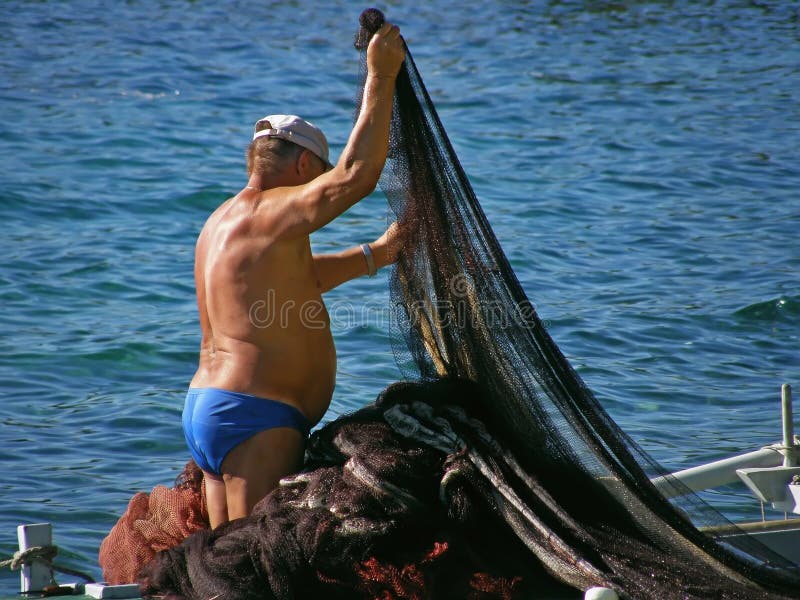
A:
495, 475
586, 484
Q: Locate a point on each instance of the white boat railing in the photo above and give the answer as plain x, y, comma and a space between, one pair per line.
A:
718, 473
768, 472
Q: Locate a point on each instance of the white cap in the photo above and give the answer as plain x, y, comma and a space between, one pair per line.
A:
295, 130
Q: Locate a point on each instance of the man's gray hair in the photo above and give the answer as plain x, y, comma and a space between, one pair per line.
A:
270, 155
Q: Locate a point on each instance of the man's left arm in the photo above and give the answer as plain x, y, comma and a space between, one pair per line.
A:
337, 268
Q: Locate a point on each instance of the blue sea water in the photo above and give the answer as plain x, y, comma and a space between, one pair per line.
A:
637, 160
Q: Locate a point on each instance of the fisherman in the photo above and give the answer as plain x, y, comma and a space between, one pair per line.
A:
267, 360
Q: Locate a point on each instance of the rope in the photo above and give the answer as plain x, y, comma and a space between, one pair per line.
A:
43, 555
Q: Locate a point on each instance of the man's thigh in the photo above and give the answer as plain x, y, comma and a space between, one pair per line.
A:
253, 468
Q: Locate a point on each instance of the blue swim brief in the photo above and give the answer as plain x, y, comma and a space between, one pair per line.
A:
215, 421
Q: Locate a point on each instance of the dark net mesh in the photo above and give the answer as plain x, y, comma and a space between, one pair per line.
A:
495, 475
584, 482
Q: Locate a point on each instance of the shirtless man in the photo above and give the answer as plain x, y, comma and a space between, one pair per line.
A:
265, 379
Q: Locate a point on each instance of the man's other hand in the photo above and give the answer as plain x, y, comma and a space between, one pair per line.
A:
387, 247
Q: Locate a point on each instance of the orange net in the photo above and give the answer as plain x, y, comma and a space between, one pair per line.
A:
153, 522
429, 577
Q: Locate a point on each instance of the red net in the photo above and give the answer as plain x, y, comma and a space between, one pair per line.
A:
423, 579
153, 522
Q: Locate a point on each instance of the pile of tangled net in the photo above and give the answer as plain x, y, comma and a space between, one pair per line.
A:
494, 475
398, 500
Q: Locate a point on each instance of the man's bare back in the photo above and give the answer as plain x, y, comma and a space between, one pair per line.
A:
265, 327
267, 362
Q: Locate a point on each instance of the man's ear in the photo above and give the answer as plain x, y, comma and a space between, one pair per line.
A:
303, 163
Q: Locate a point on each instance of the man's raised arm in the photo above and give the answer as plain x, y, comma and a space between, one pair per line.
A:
300, 210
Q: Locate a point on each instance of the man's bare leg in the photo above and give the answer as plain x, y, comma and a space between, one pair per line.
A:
253, 468
216, 501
